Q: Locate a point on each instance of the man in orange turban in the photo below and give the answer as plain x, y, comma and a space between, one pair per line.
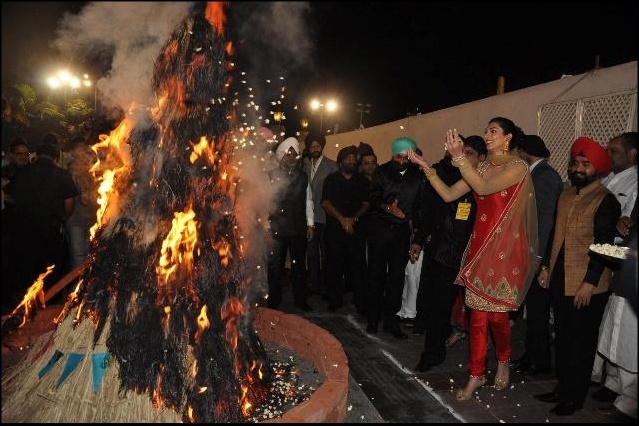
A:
579, 282
594, 152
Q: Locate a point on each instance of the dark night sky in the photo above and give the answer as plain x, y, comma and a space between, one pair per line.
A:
405, 57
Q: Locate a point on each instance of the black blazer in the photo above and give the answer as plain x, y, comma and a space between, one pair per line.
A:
548, 186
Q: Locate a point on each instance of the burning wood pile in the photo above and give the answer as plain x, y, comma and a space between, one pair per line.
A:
158, 327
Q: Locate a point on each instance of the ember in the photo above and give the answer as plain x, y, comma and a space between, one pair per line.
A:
162, 311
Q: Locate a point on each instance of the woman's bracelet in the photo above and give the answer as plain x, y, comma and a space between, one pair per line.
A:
459, 161
429, 172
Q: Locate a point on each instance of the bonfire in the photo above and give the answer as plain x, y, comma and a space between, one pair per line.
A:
158, 328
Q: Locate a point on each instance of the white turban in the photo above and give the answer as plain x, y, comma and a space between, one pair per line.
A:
285, 146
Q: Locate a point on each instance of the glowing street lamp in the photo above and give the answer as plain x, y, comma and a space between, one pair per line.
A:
329, 106
64, 79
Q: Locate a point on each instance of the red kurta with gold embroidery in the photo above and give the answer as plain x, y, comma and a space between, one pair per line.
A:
496, 263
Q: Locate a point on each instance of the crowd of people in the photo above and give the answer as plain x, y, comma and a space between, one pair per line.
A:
49, 203
488, 235
451, 249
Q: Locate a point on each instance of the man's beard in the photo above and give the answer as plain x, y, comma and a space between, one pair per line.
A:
349, 168
314, 154
289, 164
400, 167
580, 180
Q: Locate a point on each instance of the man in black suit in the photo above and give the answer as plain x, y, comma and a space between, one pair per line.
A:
548, 186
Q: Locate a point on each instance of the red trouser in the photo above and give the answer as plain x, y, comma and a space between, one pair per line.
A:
478, 338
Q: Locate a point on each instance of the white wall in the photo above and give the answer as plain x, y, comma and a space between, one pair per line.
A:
521, 106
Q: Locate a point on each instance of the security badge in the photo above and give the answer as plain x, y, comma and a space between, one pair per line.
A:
463, 211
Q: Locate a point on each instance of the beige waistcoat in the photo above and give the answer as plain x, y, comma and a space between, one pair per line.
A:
574, 227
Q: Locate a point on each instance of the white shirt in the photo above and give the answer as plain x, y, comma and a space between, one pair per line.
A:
315, 166
624, 186
310, 216
532, 166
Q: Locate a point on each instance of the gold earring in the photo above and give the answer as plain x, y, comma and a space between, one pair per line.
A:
506, 145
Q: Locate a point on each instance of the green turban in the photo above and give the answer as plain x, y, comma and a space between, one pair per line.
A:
401, 145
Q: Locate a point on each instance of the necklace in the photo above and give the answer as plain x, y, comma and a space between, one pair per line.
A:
501, 159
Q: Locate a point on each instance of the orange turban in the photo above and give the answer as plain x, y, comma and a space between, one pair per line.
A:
594, 152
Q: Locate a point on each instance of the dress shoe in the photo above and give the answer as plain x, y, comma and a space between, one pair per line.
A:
396, 332
529, 369
567, 408
304, 306
408, 322
603, 394
548, 397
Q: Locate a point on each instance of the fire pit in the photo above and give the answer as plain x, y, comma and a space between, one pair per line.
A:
313, 343
326, 404
160, 328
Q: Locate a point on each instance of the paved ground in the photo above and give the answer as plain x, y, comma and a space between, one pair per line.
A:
383, 386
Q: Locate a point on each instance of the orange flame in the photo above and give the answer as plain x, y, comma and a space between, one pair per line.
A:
214, 13
72, 297
177, 247
200, 148
245, 404
202, 323
167, 318
35, 291
231, 312
105, 187
157, 400
114, 147
224, 250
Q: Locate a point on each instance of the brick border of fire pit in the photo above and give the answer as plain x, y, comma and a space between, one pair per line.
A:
327, 403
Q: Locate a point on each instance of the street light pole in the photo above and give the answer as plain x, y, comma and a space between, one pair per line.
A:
88, 83
362, 109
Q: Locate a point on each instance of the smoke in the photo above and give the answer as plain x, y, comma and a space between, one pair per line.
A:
130, 35
272, 46
274, 35
271, 39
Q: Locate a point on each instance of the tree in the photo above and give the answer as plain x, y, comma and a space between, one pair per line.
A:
38, 116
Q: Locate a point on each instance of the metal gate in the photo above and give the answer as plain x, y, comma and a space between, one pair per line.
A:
600, 118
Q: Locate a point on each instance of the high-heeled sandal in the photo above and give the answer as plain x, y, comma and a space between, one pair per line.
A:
502, 380
465, 394
455, 337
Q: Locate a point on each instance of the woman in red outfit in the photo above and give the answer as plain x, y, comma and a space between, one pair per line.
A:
499, 262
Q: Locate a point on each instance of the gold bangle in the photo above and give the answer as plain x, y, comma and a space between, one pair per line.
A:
430, 172
459, 161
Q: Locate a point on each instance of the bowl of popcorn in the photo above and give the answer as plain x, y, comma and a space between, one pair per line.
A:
610, 250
